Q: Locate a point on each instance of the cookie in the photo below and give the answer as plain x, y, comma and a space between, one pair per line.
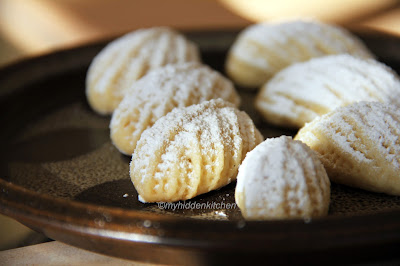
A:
359, 145
303, 91
128, 58
192, 150
161, 90
263, 49
282, 179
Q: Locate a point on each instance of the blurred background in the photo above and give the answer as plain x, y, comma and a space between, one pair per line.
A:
34, 27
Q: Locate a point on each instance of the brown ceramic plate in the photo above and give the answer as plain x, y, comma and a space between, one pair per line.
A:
60, 175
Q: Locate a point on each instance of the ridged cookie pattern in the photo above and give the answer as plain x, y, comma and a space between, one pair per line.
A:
359, 145
192, 150
130, 57
303, 91
282, 178
161, 90
263, 49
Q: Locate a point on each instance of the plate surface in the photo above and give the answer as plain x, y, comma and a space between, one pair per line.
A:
60, 175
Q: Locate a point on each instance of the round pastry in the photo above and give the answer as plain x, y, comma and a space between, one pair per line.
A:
192, 150
359, 145
282, 178
263, 49
301, 92
128, 58
161, 90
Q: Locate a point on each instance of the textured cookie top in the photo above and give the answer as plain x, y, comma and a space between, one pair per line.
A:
192, 150
303, 91
360, 130
359, 145
267, 48
161, 90
299, 40
128, 58
282, 178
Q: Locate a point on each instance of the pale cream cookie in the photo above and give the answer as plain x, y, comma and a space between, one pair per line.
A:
359, 145
261, 50
161, 90
303, 91
192, 150
128, 58
280, 179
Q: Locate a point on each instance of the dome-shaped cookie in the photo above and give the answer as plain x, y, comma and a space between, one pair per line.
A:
161, 90
191, 151
263, 49
128, 58
282, 178
301, 92
359, 145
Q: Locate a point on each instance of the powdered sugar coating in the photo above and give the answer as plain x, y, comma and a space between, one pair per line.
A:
301, 92
128, 58
161, 90
191, 151
282, 178
359, 145
263, 49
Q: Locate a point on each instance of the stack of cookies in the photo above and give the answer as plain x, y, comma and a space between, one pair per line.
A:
180, 120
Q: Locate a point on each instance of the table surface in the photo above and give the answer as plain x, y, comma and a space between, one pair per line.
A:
57, 253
